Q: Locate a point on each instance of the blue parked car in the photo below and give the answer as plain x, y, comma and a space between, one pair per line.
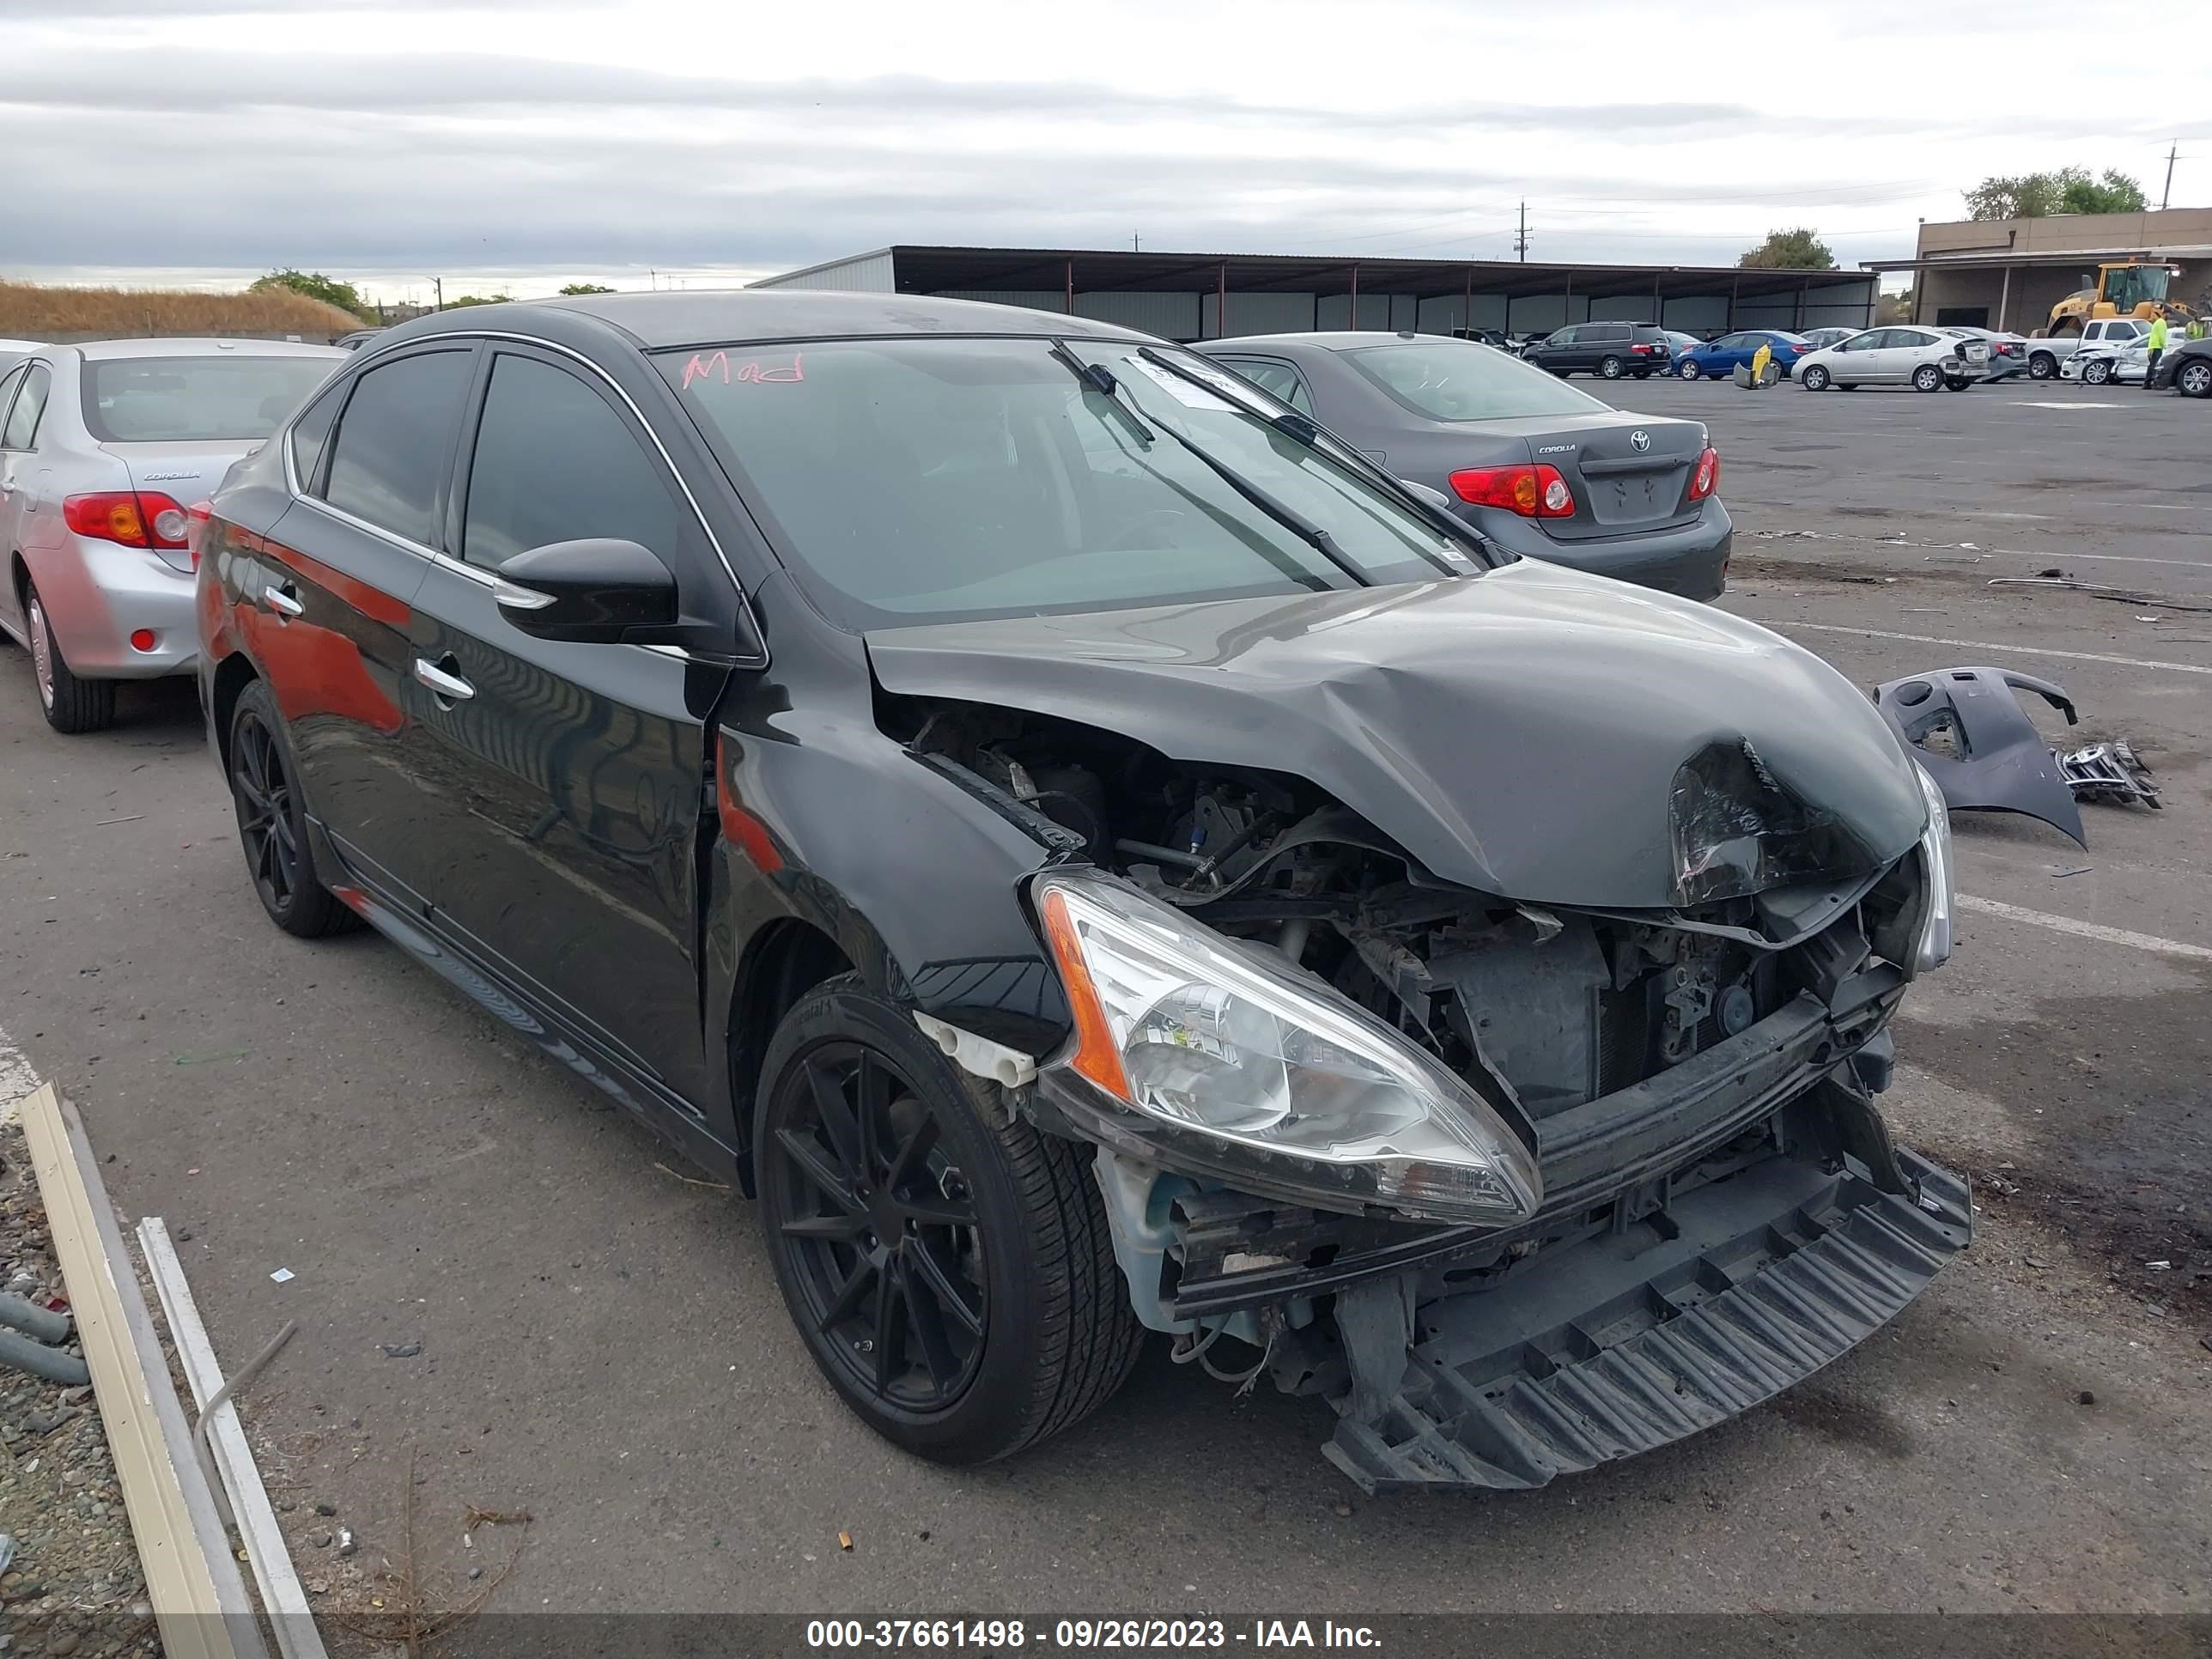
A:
1722, 356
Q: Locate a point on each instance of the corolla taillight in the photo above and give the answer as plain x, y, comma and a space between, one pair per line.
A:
130, 518
1707, 478
1534, 492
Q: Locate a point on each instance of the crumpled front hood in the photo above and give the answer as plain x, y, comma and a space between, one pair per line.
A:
1518, 732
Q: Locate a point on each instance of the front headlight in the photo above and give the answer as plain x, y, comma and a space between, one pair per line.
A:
1261, 1067
1935, 947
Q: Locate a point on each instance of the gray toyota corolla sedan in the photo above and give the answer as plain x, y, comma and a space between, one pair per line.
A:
104, 447
1535, 465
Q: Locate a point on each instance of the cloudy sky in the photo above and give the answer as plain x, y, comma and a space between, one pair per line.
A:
520, 144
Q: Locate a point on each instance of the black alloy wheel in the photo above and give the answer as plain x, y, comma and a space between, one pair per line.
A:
949, 1265
880, 1227
272, 822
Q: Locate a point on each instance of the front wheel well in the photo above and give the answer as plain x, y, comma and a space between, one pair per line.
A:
782, 963
232, 675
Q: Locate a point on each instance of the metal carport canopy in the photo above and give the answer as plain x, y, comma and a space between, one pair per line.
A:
934, 269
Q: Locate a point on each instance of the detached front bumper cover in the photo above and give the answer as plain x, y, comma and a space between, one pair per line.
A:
1768, 1276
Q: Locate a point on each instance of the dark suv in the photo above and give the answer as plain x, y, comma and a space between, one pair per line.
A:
1607, 351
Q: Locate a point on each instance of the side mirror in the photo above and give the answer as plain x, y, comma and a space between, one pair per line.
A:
600, 591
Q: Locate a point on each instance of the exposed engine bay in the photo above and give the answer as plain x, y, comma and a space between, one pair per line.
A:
1545, 1006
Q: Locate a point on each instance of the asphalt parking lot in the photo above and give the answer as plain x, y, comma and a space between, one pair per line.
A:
603, 1346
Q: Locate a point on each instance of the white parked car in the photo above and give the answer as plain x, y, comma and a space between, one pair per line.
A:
2045, 355
2119, 363
103, 448
1925, 358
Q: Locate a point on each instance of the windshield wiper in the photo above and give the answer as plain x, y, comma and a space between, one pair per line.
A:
1301, 429
1276, 508
1100, 379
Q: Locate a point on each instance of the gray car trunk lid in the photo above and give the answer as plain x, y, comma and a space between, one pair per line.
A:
1627, 472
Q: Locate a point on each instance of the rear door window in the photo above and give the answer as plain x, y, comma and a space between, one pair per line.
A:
30, 404
553, 462
311, 436
395, 442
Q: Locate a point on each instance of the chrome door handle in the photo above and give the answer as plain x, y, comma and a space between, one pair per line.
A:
282, 601
444, 684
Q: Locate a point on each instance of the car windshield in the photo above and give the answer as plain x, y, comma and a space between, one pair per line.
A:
1453, 380
933, 479
184, 399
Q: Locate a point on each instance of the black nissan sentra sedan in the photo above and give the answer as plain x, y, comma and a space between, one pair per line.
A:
1089, 856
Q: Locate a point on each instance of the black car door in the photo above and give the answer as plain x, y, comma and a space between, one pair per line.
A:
323, 597
565, 783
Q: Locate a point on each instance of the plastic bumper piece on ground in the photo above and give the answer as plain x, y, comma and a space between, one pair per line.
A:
1768, 1276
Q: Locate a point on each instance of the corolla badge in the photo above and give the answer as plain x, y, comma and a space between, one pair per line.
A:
165, 478
1639, 440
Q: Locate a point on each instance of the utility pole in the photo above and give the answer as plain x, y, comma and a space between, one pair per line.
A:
2166, 195
1521, 239
1135, 245
437, 288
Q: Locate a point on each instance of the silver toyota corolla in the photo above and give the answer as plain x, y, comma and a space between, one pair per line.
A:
103, 447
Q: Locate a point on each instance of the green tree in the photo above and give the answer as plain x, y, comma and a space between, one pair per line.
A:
316, 285
478, 299
2113, 192
586, 288
2039, 195
1790, 250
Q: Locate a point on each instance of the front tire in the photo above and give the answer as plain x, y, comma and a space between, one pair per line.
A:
1608, 368
272, 822
1927, 378
2195, 379
1814, 377
2096, 374
949, 1267
1691, 372
71, 706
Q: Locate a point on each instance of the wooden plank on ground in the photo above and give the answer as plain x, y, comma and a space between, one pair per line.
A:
199, 1600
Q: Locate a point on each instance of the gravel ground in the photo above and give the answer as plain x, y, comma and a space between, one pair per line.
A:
73, 1586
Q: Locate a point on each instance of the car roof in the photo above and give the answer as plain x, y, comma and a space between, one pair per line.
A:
98, 351
1332, 340
707, 317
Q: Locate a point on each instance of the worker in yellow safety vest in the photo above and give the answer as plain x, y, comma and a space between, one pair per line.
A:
2156, 342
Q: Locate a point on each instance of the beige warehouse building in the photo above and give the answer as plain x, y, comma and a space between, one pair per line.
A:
2007, 273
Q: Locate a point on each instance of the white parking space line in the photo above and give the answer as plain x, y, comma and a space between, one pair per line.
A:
2156, 507
2104, 935
1984, 645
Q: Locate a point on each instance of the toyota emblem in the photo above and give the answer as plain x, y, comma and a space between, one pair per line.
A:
1639, 440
